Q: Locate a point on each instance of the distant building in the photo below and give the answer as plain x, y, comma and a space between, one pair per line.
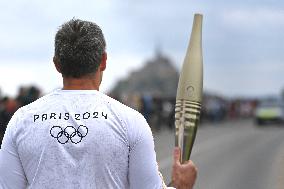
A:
157, 78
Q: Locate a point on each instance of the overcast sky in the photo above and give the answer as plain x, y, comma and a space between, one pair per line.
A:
243, 40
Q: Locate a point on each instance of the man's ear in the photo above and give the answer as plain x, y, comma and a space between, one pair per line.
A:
56, 64
103, 62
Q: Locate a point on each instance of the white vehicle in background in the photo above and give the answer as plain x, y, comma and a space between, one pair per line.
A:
269, 110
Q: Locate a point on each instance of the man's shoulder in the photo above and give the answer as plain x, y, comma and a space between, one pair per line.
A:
119, 106
127, 115
41, 104
43, 100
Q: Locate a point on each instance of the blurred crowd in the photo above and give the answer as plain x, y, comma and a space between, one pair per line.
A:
158, 111
9, 105
216, 108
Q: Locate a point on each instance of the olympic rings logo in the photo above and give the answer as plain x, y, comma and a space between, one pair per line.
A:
69, 133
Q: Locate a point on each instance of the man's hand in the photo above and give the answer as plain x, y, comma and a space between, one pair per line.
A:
183, 175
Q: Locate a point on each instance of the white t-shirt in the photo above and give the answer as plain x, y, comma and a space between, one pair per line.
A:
78, 139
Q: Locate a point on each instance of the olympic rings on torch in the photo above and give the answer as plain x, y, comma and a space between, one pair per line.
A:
69, 133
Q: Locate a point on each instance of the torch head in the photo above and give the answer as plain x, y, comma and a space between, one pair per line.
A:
190, 84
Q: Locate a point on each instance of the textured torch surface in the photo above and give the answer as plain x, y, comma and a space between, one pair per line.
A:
189, 92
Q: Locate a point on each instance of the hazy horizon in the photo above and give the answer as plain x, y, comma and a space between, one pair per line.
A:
242, 40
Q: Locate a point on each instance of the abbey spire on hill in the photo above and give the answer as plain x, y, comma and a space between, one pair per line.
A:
158, 77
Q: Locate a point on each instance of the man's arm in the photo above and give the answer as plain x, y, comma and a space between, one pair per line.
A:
12, 175
143, 169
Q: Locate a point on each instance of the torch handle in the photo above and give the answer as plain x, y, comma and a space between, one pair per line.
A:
187, 116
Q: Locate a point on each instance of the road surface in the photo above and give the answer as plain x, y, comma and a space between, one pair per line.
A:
231, 155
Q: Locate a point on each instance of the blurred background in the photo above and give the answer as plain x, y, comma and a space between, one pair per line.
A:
240, 139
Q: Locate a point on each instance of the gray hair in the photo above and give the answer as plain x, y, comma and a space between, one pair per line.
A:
79, 46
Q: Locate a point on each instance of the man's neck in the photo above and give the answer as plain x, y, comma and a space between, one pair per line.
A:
84, 83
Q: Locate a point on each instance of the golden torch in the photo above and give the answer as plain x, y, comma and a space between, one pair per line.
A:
189, 92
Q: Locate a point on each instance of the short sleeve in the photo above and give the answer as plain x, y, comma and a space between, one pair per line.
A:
11, 171
143, 169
